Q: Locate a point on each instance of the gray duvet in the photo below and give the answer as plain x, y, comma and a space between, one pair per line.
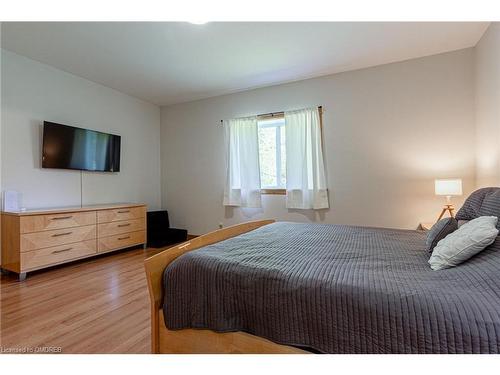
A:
338, 289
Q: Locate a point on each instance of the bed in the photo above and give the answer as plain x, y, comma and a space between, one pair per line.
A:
266, 287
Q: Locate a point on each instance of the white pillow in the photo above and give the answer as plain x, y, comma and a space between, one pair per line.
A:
468, 240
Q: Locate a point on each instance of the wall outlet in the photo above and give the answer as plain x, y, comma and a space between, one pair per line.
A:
221, 225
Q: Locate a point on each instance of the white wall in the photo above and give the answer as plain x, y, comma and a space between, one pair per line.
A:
1, 116
389, 131
487, 85
33, 92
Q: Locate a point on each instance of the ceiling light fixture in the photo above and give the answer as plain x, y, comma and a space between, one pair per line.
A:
198, 22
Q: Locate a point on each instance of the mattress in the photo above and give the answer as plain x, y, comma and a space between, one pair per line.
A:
337, 289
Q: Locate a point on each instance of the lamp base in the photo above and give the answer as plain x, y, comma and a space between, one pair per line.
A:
449, 208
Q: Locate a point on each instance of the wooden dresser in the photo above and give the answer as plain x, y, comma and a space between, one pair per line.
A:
32, 240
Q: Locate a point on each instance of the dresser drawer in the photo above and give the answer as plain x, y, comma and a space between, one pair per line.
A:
57, 254
119, 214
37, 223
120, 241
49, 238
119, 227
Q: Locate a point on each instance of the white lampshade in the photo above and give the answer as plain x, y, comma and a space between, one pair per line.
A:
448, 186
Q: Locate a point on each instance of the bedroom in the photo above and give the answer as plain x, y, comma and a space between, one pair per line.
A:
352, 136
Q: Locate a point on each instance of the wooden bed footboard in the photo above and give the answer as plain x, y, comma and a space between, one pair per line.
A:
164, 340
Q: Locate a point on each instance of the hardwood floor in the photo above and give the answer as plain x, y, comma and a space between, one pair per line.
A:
92, 306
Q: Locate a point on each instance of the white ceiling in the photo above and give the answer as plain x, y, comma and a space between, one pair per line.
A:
171, 62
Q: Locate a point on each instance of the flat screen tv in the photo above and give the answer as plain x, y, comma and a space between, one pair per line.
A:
67, 147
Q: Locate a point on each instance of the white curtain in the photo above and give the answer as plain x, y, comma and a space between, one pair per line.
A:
242, 163
305, 171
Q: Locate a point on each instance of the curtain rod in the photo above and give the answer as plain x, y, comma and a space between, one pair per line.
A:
272, 114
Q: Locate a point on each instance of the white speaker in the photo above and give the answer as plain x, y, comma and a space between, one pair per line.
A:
11, 201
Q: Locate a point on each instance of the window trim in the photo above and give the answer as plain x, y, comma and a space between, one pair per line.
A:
273, 191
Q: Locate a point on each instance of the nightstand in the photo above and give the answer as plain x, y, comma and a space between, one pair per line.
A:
425, 226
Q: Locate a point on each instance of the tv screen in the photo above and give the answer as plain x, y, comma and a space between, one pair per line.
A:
67, 147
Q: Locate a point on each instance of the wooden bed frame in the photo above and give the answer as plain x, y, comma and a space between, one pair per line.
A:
197, 341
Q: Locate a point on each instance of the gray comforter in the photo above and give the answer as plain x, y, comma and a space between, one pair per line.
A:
338, 289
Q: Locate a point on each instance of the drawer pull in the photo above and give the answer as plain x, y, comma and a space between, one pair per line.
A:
61, 218
123, 238
123, 225
62, 251
61, 234
123, 211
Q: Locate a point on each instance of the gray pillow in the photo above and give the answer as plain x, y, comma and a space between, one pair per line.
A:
468, 240
482, 202
439, 231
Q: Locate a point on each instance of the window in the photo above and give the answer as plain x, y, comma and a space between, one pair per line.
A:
272, 155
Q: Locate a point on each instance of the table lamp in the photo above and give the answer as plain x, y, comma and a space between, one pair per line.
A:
448, 187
